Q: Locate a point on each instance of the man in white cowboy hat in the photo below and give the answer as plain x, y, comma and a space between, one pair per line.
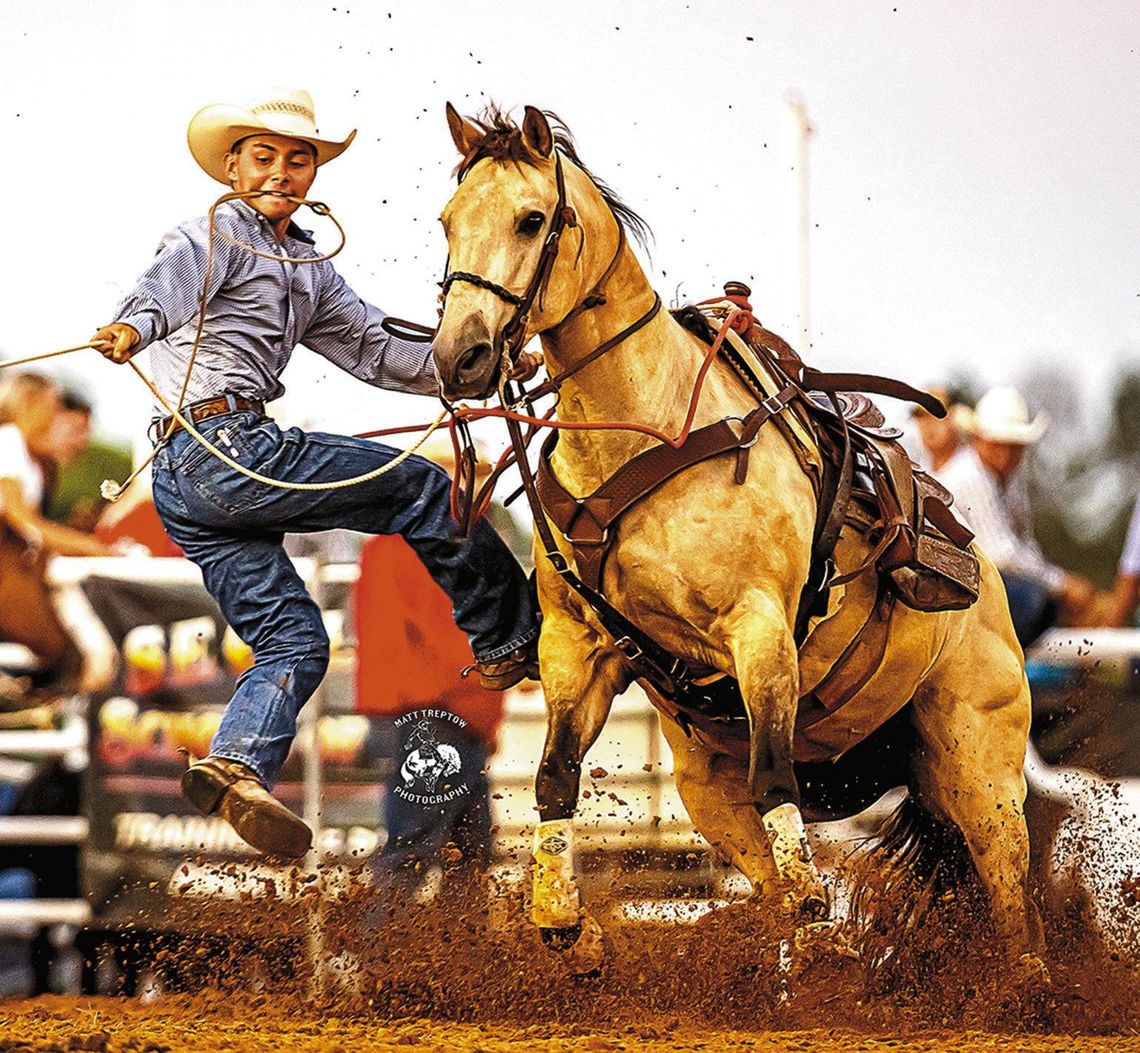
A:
992, 497
258, 309
1126, 593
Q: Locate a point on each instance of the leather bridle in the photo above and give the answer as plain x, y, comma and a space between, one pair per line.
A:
513, 335
564, 216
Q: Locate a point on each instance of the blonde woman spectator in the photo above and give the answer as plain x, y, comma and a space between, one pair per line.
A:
29, 406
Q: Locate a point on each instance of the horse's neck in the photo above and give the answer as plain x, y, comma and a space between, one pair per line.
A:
647, 379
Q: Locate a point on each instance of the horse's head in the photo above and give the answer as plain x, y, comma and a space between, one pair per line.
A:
528, 233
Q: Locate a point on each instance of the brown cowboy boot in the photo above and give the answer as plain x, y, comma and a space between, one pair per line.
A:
505, 672
216, 786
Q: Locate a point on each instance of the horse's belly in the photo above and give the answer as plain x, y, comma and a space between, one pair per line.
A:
853, 693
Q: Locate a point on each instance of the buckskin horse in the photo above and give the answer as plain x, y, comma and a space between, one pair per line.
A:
706, 570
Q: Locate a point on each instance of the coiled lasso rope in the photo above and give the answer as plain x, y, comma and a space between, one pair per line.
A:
112, 490
336, 484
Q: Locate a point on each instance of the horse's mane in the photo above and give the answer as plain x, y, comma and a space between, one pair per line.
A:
503, 141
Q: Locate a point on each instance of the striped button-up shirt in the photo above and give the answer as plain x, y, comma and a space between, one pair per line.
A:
257, 311
1130, 557
999, 516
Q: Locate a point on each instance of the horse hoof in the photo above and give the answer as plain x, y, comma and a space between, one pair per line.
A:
1031, 974
815, 943
561, 940
814, 909
1032, 1002
805, 907
589, 951
820, 938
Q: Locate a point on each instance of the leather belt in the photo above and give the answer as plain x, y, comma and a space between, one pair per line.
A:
207, 408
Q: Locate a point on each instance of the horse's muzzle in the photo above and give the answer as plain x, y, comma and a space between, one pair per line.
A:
467, 362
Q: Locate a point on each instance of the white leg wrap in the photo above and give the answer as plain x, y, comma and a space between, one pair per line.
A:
790, 846
555, 903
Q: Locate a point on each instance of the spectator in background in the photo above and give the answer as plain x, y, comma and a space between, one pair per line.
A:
991, 495
442, 725
1126, 595
29, 404
71, 431
41, 429
69, 440
941, 438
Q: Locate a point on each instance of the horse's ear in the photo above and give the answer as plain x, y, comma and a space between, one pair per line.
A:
464, 133
536, 132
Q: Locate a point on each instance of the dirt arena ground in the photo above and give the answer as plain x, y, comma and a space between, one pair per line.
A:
199, 1025
476, 978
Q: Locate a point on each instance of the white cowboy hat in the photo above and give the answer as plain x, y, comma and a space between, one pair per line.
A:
1001, 415
279, 111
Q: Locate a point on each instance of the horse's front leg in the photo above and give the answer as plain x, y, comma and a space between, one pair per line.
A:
764, 655
581, 674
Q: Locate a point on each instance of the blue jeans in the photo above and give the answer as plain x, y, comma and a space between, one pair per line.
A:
1030, 606
232, 527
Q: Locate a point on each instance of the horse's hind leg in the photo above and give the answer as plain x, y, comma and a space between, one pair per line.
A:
972, 726
714, 789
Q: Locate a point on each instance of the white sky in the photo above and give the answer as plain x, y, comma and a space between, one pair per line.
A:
973, 173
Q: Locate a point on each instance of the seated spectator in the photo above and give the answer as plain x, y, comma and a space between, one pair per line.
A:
1126, 596
992, 497
71, 430
29, 406
70, 441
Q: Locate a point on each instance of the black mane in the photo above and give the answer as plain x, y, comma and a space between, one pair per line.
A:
503, 141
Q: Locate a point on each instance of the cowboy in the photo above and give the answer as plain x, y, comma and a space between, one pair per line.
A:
992, 497
257, 311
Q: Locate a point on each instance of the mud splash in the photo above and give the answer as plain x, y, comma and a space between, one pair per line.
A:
468, 971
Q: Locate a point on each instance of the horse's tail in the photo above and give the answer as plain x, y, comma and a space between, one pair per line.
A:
912, 860
1065, 786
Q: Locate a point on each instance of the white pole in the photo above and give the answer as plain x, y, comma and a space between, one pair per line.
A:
802, 131
313, 784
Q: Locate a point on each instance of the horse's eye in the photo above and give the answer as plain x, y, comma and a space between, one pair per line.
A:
532, 223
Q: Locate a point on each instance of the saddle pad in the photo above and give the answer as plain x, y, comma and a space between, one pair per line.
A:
762, 373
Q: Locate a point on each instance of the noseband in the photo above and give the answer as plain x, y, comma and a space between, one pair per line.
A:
564, 216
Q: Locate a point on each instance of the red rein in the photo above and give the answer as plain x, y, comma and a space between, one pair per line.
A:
738, 319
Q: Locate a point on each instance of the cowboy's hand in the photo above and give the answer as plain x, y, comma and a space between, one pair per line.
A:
1077, 595
117, 341
526, 366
